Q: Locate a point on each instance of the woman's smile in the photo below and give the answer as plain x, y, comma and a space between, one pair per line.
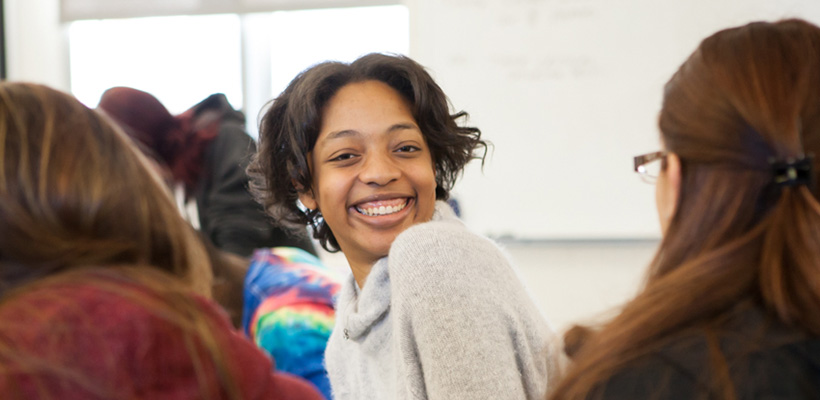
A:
377, 208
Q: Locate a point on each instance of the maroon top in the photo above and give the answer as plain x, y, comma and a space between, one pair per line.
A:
105, 337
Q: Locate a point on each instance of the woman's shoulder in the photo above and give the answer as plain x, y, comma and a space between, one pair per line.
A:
444, 234
683, 369
790, 370
445, 254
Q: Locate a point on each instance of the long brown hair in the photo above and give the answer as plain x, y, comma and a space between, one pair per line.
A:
746, 96
75, 192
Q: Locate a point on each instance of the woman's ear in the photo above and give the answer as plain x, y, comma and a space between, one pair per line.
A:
308, 199
667, 190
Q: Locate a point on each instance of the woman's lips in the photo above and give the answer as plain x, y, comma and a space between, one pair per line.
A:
382, 207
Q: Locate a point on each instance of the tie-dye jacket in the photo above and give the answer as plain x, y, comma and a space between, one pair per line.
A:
288, 310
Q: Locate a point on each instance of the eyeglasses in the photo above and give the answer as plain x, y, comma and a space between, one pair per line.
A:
647, 167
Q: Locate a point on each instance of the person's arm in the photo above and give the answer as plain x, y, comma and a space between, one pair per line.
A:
464, 318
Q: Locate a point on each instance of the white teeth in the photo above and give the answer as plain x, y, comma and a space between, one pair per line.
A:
381, 210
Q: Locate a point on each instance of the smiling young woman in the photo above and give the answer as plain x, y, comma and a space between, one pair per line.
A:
431, 309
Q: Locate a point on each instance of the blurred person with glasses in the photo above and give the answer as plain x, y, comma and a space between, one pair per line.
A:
729, 308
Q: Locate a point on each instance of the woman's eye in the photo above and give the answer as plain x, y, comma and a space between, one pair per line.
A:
408, 149
343, 157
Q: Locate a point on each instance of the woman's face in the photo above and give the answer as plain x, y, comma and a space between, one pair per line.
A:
373, 174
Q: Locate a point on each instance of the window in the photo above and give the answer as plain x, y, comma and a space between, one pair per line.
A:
251, 58
180, 60
281, 44
333, 34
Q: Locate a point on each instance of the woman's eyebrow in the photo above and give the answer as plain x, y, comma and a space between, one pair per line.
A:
342, 134
402, 126
345, 133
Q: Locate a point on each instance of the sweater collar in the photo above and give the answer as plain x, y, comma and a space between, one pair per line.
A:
364, 307
361, 308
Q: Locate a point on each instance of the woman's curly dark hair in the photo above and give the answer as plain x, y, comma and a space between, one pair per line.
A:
290, 126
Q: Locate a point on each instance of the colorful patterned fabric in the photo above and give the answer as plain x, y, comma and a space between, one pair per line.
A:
288, 310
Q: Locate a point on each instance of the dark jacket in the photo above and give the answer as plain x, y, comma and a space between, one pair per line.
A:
765, 360
228, 214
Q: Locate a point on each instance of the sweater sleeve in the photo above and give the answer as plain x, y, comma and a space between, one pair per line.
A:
467, 327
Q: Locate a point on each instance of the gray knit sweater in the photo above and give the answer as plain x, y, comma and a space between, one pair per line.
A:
444, 316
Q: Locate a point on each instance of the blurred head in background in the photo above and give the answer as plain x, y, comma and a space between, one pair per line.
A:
75, 192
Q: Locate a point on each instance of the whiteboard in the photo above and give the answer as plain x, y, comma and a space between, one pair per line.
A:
567, 91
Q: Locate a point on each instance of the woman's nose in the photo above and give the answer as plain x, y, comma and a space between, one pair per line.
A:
379, 169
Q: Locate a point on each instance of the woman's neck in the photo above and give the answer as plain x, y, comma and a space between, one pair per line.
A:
361, 269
